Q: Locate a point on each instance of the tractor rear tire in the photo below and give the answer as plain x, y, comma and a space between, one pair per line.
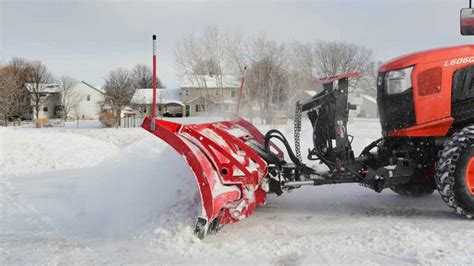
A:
455, 172
413, 189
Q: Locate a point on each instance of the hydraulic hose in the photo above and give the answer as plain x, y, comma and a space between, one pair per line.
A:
370, 147
271, 134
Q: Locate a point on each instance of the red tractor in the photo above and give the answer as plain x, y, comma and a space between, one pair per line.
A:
426, 104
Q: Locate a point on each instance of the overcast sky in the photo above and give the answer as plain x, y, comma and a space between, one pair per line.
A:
87, 39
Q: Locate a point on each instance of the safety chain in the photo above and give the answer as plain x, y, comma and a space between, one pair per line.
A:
297, 128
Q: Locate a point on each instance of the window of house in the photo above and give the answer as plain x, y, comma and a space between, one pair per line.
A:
45, 109
232, 93
88, 97
186, 92
200, 108
217, 93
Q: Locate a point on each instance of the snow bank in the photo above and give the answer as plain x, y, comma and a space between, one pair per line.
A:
92, 181
147, 182
32, 151
118, 196
118, 185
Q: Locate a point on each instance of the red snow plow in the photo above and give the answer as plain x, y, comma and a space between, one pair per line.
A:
229, 173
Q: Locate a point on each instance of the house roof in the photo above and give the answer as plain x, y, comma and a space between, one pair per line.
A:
163, 96
210, 81
44, 87
200, 97
55, 88
97, 88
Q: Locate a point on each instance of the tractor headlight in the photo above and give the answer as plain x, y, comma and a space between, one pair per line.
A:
398, 81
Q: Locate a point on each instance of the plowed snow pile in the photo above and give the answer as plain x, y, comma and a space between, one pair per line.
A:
108, 196
91, 183
29, 151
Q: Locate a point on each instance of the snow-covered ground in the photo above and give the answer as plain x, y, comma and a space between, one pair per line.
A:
121, 196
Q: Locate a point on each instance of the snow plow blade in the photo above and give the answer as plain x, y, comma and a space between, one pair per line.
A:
228, 172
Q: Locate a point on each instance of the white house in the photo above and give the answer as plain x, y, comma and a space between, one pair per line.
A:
370, 107
51, 95
92, 99
49, 99
168, 102
210, 93
366, 105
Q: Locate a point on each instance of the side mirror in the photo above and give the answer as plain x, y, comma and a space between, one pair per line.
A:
467, 21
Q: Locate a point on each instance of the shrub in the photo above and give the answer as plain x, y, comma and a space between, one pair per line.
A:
108, 119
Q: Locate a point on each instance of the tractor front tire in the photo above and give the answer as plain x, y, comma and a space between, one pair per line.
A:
455, 172
413, 189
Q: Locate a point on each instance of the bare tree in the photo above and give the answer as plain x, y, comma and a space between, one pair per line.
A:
301, 71
267, 79
199, 56
268, 84
189, 60
333, 58
70, 99
368, 82
142, 76
212, 41
18, 69
118, 90
236, 61
76, 112
37, 76
278, 74
236, 53
9, 94
189, 56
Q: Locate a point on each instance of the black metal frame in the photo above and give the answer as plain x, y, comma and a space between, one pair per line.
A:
328, 112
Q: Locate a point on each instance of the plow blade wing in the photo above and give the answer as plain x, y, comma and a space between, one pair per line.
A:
228, 172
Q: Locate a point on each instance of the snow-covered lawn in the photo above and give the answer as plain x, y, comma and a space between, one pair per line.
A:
120, 196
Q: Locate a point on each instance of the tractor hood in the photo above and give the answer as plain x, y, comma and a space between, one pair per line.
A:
427, 56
